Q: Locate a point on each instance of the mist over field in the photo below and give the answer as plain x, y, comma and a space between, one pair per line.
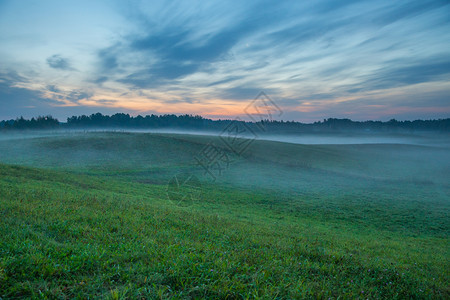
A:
387, 169
344, 201
224, 149
276, 161
308, 138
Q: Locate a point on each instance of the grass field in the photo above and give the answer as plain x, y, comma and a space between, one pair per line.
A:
87, 215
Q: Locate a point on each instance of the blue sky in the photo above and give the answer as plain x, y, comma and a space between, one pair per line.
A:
316, 59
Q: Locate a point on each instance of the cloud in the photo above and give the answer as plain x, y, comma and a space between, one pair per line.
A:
56, 61
244, 92
173, 56
100, 79
53, 88
398, 73
77, 95
108, 58
182, 48
399, 11
17, 101
202, 52
226, 80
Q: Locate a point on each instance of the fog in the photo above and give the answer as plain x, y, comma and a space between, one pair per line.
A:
319, 138
325, 157
319, 172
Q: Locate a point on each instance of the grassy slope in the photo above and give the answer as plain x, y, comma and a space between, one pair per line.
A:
87, 229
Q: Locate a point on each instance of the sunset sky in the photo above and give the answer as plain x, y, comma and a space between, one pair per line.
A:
316, 59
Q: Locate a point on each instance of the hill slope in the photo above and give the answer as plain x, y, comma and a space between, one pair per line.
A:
90, 216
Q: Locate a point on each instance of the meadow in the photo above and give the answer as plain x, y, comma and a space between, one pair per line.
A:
88, 215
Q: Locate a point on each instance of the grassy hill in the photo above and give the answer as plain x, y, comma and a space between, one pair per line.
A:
87, 215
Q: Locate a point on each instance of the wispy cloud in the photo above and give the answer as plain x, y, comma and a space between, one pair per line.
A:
314, 58
56, 61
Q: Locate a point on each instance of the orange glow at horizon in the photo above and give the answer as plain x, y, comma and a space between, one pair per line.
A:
156, 102
216, 107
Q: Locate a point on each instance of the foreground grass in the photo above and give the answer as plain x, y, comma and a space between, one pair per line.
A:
71, 235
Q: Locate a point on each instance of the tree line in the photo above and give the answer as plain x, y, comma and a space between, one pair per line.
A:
41, 122
195, 122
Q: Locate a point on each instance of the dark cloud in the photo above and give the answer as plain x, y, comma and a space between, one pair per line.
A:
244, 92
53, 88
17, 101
172, 52
72, 96
100, 79
77, 95
256, 66
160, 42
323, 7
300, 33
178, 57
108, 58
12, 77
398, 10
56, 61
144, 80
226, 80
397, 74
106, 101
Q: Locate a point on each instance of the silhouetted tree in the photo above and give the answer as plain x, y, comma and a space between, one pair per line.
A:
121, 120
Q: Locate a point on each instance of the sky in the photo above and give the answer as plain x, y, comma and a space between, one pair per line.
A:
361, 60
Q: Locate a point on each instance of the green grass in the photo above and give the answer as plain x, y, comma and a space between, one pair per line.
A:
99, 224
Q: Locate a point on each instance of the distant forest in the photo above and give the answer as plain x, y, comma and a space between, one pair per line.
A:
191, 122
